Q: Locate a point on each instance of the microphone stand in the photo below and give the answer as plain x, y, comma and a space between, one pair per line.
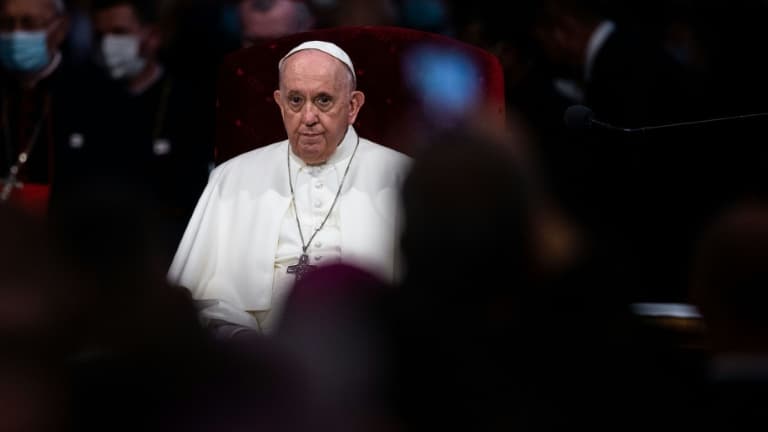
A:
672, 125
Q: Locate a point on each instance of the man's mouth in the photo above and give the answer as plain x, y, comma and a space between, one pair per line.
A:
310, 139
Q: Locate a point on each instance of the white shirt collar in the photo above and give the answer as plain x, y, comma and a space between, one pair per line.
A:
343, 150
596, 41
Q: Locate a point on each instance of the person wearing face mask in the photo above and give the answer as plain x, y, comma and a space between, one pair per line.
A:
35, 119
127, 42
145, 126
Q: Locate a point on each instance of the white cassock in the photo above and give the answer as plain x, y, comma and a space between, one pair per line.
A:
243, 233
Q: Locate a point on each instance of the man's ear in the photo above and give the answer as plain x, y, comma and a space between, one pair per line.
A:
355, 103
59, 33
152, 41
278, 99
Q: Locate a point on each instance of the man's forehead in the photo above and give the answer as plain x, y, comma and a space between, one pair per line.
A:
33, 8
122, 13
313, 61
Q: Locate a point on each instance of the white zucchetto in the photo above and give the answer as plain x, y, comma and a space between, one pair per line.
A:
327, 47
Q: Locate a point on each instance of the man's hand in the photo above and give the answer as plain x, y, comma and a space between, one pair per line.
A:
224, 330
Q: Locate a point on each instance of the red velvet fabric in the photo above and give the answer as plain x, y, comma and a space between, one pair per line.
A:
32, 198
248, 117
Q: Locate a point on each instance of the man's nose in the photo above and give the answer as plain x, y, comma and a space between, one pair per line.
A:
309, 114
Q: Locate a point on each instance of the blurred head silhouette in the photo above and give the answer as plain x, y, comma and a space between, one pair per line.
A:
468, 244
35, 326
467, 213
730, 278
269, 19
336, 325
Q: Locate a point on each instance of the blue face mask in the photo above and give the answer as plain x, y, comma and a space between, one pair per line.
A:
24, 51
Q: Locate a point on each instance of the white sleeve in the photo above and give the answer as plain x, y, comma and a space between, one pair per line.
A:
194, 263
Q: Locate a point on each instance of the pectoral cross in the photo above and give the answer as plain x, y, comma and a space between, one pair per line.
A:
301, 268
9, 184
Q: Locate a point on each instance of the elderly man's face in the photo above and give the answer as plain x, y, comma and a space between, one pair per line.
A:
317, 102
33, 15
26, 15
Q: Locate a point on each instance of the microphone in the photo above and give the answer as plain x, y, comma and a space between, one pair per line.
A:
582, 117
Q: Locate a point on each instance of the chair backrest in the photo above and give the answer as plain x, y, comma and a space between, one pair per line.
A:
394, 66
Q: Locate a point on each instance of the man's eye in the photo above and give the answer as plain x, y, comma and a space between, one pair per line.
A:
324, 100
295, 100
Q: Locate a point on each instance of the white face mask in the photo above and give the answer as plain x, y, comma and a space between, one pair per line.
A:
120, 54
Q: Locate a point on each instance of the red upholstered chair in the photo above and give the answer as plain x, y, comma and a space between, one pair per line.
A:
401, 71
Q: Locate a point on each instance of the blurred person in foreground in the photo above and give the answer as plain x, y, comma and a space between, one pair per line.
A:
91, 338
468, 244
729, 288
337, 326
321, 196
36, 331
137, 356
502, 322
35, 80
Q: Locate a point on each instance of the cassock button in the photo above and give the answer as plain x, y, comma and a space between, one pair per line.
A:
76, 141
318, 244
318, 257
161, 147
318, 185
318, 204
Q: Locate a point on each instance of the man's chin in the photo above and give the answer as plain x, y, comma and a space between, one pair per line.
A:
312, 154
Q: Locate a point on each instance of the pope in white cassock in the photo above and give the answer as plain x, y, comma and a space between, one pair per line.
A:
324, 195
